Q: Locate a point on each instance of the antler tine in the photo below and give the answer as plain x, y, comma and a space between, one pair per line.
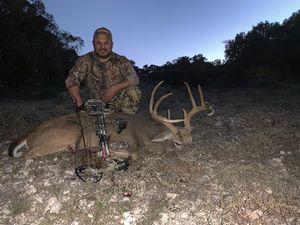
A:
195, 109
168, 119
212, 111
153, 111
169, 114
152, 97
202, 102
190, 94
160, 100
205, 104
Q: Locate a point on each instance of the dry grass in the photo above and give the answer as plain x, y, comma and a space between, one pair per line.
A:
227, 174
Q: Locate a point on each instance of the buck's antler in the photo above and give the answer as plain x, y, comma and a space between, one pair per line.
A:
153, 111
195, 109
187, 116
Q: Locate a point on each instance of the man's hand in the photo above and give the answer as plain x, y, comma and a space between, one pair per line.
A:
78, 102
79, 108
109, 93
74, 92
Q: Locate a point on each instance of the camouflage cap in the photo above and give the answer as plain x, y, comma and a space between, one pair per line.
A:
103, 30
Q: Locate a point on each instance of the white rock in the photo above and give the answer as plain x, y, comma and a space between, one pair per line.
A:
269, 191
279, 160
83, 203
282, 153
90, 204
137, 211
53, 206
33, 209
276, 162
254, 215
171, 195
25, 173
39, 199
201, 214
184, 215
28, 162
65, 199
66, 192
30, 189
113, 198
218, 124
6, 211
128, 219
8, 169
4, 143
164, 218
47, 183
69, 172
5, 153
172, 215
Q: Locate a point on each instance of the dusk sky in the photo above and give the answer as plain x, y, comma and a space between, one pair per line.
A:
157, 31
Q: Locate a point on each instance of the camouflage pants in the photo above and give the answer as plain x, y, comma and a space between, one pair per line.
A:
127, 100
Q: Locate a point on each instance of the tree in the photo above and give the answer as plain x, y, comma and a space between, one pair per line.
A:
290, 44
269, 52
33, 50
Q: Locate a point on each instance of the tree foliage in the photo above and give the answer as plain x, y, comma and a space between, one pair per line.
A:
194, 69
269, 53
33, 49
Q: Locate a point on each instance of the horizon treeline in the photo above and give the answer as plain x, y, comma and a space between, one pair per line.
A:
266, 56
35, 54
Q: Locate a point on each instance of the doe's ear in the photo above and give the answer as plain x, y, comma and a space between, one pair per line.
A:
164, 136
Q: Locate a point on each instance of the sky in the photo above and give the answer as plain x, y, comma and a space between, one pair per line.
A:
157, 31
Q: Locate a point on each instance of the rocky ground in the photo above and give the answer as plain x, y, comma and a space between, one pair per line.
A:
242, 168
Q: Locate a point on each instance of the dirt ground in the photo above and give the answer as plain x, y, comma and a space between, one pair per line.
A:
242, 168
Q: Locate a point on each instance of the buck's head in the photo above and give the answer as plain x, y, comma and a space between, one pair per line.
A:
178, 135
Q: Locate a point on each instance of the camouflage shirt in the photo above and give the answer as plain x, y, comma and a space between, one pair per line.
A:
98, 75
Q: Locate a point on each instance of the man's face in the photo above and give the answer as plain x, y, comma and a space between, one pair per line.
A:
102, 46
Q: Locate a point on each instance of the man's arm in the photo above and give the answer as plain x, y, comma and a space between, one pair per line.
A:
74, 92
76, 75
110, 92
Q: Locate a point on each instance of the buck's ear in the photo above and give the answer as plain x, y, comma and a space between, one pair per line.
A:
164, 136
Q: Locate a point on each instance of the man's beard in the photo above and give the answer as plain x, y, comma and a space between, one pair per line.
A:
103, 54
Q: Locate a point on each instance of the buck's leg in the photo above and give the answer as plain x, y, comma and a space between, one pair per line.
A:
33, 153
40, 151
127, 154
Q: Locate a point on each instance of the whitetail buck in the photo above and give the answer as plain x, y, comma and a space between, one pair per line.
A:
63, 132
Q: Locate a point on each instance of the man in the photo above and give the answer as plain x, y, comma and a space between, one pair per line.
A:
109, 76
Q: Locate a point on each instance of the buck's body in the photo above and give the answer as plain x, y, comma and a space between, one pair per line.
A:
62, 132
59, 133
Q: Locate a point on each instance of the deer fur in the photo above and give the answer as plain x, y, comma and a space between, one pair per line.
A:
64, 132
60, 133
